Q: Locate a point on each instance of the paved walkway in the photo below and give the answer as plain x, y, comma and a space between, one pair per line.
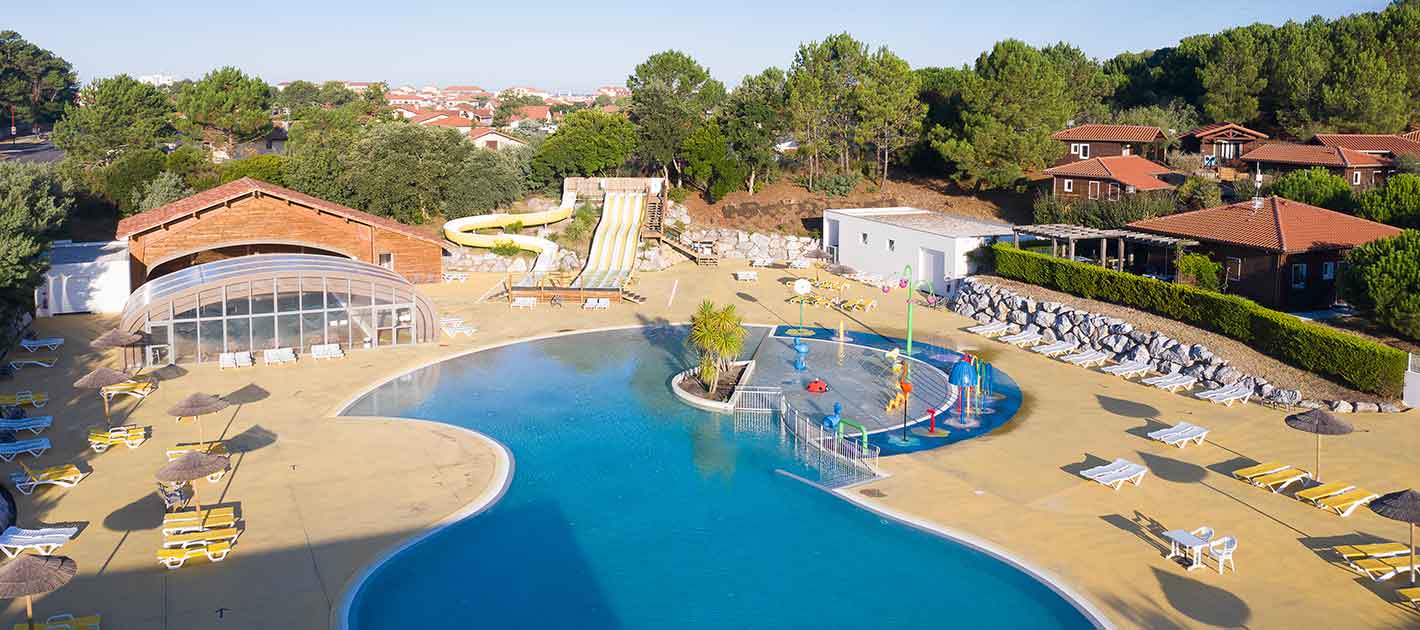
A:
322, 497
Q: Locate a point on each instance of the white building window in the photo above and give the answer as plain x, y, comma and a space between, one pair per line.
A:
891, 245
1356, 178
1074, 148
863, 238
386, 260
1069, 185
1299, 276
1328, 270
1084, 151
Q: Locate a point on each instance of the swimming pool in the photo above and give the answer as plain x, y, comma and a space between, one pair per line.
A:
629, 509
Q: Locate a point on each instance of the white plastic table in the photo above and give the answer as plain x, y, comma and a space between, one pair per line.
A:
1181, 540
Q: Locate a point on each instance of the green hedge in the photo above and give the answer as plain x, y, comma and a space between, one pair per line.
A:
1359, 362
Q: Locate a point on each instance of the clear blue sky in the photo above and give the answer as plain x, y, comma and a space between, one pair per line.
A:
580, 45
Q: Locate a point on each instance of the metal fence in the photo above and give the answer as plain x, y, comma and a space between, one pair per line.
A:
840, 460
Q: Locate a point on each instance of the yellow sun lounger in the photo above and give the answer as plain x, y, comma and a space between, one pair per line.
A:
25, 397
1260, 470
1278, 481
1346, 503
130, 435
1351, 553
64, 622
1381, 569
201, 538
214, 447
198, 520
1411, 595
65, 476
1314, 494
174, 558
139, 389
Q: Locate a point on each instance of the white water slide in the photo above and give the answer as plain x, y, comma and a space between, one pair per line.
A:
614, 245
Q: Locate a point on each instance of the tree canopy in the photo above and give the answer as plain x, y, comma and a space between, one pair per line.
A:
226, 107
671, 94
1314, 186
119, 114
34, 202
1383, 278
588, 142
37, 83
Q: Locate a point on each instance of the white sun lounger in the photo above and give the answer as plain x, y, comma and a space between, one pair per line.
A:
279, 355
1087, 358
14, 540
746, 276
524, 302
327, 351
1023, 338
33, 446
459, 329
1171, 382
1057, 348
991, 329
1105, 470
1180, 434
48, 343
1229, 394
1130, 472
234, 360
1128, 369
33, 424
799, 263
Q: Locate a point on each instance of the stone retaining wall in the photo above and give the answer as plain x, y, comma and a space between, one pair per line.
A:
985, 302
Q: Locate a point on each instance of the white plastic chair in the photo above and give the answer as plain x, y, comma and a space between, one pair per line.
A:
1221, 551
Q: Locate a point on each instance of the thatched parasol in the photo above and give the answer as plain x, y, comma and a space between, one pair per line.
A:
191, 467
29, 575
1320, 423
116, 339
100, 378
1403, 506
196, 406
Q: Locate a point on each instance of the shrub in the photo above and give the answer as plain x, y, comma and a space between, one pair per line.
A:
506, 248
1396, 203
678, 194
267, 168
837, 185
1245, 188
1200, 271
164, 189
1197, 193
129, 174
1186, 163
1315, 186
1382, 278
1359, 362
1103, 214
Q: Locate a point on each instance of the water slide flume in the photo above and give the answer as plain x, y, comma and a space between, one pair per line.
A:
463, 231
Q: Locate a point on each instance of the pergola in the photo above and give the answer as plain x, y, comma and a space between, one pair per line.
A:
1058, 232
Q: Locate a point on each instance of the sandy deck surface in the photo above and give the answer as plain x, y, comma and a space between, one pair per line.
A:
323, 497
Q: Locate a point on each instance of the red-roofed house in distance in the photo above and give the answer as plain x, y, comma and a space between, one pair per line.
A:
1223, 142
1361, 170
249, 216
1094, 140
1277, 252
490, 138
1107, 178
1379, 144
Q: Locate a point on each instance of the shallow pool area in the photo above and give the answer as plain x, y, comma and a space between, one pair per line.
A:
629, 509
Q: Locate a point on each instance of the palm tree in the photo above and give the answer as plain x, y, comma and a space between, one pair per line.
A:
718, 336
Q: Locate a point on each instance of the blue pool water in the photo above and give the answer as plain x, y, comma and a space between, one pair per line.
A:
628, 509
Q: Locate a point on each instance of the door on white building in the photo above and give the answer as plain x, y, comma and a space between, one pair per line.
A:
830, 239
932, 268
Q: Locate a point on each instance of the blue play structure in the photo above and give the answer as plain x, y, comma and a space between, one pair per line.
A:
801, 351
831, 421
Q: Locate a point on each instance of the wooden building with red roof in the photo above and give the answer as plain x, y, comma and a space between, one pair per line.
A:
249, 216
1280, 253
1107, 178
1221, 141
1095, 140
1360, 169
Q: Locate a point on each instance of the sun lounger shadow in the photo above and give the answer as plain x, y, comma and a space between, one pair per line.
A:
1229, 466
1325, 546
1139, 530
1170, 469
1126, 408
1091, 461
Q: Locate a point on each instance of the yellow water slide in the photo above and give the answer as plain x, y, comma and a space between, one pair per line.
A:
462, 231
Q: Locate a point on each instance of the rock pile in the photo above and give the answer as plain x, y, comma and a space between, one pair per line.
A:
472, 260
739, 244
984, 302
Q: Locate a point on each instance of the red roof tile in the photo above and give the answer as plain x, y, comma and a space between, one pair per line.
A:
1130, 170
539, 112
452, 121
1311, 154
1280, 225
237, 189
479, 132
1109, 133
1211, 129
1370, 142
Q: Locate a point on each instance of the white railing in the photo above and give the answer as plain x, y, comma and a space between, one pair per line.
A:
840, 460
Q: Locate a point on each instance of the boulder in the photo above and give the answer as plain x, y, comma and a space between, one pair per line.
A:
1122, 328
1391, 408
1341, 406
1367, 407
1044, 319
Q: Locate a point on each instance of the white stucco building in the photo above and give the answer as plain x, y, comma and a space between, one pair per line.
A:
84, 278
884, 241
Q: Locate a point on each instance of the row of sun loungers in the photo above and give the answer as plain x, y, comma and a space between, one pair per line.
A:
63, 622
33, 360
1180, 435
191, 534
130, 435
1343, 499
47, 343
1116, 473
15, 540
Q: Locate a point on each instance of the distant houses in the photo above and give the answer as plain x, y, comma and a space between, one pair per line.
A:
1090, 141
1361, 170
1107, 177
1220, 143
